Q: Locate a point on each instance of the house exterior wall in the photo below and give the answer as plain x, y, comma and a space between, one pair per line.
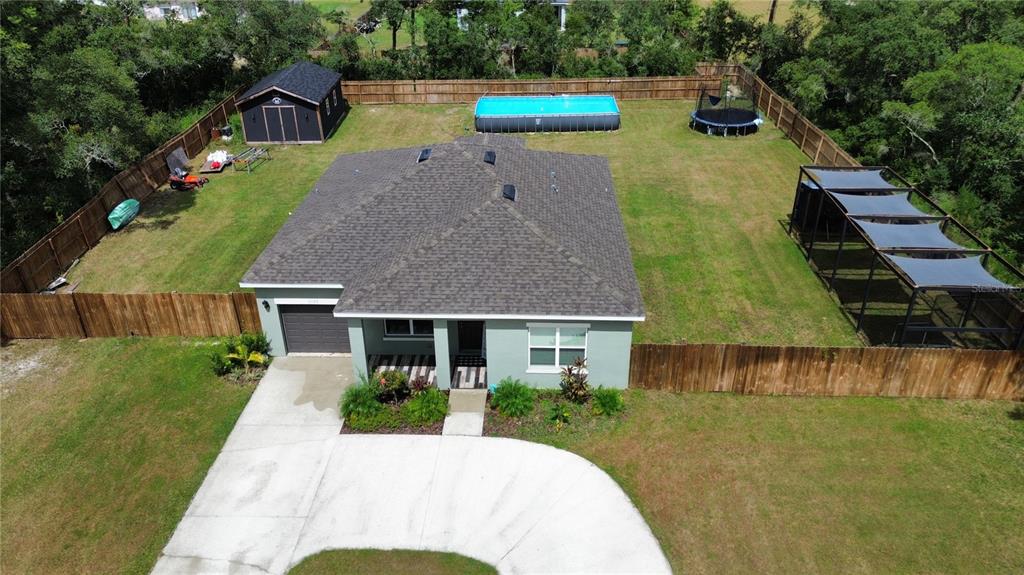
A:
254, 122
376, 343
608, 348
271, 319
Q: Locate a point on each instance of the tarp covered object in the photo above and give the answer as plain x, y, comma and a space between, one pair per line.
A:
948, 273
123, 213
177, 160
923, 236
851, 179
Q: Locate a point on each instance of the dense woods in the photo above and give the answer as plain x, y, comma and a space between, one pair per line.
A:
934, 88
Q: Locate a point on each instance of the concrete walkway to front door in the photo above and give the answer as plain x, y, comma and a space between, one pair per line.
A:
287, 485
465, 412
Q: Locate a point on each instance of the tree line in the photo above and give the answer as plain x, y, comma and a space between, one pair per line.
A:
934, 88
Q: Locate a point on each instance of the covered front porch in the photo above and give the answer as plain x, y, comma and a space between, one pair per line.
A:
467, 372
448, 353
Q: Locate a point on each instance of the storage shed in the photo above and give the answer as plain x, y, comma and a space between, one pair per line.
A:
300, 104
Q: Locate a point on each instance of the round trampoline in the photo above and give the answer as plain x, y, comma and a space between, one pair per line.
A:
720, 115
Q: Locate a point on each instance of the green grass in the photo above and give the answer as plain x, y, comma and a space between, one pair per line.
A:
702, 214
393, 562
104, 443
743, 484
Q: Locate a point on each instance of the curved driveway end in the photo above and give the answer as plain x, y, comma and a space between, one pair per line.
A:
287, 486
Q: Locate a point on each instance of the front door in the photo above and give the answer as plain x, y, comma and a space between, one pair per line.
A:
471, 337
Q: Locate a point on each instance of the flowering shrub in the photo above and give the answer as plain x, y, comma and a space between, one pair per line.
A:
392, 385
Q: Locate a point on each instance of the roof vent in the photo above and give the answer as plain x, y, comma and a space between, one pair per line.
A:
490, 157
424, 155
508, 191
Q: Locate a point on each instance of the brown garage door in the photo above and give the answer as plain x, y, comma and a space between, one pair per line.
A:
314, 329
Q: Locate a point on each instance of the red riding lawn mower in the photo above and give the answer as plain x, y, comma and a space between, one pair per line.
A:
181, 180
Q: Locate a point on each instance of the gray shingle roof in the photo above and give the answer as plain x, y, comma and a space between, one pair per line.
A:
437, 237
304, 79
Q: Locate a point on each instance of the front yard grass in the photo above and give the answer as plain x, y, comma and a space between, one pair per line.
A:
392, 562
702, 215
105, 441
744, 484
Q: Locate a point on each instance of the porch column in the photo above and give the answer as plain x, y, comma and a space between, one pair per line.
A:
355, 338
441, 354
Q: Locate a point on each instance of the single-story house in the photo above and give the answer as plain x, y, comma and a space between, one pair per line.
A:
300, 104
468, 261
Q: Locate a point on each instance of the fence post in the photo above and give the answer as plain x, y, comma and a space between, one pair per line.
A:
53, 250
81, 229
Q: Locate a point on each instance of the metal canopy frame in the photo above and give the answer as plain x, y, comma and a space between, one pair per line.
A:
945, 220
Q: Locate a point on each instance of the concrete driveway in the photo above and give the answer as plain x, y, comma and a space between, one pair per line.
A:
287, 485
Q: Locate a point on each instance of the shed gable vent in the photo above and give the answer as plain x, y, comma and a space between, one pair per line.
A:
508, 191
490, 157
424, 155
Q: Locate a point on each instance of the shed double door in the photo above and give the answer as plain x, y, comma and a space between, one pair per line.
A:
282, 123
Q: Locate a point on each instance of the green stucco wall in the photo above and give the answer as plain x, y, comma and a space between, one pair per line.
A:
608, 349
271, 319
505, 340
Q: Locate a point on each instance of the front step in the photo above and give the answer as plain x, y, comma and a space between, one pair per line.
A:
465, 412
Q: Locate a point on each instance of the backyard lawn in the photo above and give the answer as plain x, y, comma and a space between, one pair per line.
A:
104, 443
702, 214
734, 484
393, 562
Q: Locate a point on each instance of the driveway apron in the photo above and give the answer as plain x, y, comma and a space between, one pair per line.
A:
287, 486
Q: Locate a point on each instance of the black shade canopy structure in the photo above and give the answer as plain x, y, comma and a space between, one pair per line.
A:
888, 206
909, 234
948, 273
837, 179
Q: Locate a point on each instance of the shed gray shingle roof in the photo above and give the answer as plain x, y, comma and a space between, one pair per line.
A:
304, 79
437, 237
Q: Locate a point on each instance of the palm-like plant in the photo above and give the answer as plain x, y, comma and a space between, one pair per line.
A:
243, 356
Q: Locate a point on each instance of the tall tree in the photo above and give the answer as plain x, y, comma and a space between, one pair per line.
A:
392, 12
590, 24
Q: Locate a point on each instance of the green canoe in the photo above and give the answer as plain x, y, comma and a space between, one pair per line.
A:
123, 213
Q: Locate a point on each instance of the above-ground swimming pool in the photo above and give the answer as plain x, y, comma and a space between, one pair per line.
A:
546, 113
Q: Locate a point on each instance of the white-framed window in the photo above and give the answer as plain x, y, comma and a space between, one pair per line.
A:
416, 328
328, 103
334, 96
554, 346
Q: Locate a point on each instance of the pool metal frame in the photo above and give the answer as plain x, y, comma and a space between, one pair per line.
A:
593, 122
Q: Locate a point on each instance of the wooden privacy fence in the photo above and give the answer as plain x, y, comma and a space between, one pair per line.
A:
824, 371
47, 258
813, 142
121, 315
467, 91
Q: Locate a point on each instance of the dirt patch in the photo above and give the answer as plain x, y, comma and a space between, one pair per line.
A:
27, 361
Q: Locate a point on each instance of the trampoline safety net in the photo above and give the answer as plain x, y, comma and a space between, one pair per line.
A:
729, 111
